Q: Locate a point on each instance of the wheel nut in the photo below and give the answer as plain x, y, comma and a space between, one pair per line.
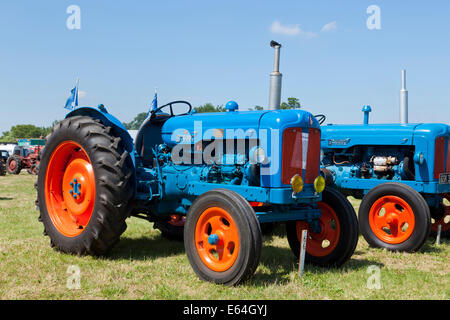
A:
213, 239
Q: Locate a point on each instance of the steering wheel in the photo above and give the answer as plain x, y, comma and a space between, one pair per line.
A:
153, 112
321, 118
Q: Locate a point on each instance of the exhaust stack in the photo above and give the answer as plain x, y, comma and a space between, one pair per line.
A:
275, 79
403, 100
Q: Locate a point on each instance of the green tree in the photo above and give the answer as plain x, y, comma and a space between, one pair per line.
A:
292, 103
26, 131
7, 137
209, 107
137, 122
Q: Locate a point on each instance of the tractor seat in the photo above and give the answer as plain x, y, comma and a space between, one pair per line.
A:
149, 136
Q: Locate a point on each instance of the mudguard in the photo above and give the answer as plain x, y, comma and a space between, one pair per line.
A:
109, 120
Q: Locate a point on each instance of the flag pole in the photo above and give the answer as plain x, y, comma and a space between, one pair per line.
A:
75, 101
155, 99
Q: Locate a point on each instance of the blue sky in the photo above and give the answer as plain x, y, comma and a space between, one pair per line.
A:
215, 51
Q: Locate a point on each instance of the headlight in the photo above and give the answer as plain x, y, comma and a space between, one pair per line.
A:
319, 184
258, 155
297, 183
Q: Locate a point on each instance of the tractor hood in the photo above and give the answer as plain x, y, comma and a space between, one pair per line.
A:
346, 136
198, 126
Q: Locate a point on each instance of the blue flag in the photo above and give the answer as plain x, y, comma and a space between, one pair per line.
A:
72, 101
155, 102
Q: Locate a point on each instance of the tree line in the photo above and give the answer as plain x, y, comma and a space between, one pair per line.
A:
26, 131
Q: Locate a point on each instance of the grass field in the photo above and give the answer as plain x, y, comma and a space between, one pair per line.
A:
146, 266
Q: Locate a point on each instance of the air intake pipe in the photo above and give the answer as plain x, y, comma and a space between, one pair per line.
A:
403, 100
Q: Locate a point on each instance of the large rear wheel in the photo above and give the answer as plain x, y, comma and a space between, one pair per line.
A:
222, 237
85, 186
394, 216
338, 236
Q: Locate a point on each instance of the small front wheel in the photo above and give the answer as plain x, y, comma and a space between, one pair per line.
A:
394, 216
338, 236
222, 237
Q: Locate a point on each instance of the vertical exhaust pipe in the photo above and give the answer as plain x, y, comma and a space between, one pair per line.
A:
275, 79
403, 100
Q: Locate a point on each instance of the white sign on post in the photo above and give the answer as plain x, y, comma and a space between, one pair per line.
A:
302, 252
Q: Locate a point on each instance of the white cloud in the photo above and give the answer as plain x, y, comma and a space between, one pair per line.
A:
278, 28
81, 94
290, 30
329, 27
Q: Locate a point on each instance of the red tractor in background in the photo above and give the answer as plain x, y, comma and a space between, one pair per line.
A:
24, 158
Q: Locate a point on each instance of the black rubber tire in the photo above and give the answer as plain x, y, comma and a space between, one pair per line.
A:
348, 236
418, 205
249, 231
18, 167
2, 169
169, 230
114, 183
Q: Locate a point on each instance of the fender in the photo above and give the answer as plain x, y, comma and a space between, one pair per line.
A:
108, 120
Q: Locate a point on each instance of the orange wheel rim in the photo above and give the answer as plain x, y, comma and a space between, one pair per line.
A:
443, 221
217, 239
322, 243
70, 188
391, 219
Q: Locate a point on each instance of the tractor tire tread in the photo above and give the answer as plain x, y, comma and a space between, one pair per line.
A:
115, 189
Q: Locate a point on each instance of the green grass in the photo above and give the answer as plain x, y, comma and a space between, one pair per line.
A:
146, 266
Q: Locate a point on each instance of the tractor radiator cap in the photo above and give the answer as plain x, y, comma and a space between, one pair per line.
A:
231, 106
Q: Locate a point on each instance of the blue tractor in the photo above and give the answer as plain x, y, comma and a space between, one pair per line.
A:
400, 171
225, 173
216, 175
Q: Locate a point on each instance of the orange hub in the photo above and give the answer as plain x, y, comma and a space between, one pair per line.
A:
391, 219
217, 239
443, 221
323, 243
70, 188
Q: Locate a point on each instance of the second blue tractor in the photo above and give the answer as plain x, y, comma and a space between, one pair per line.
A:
400, 171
